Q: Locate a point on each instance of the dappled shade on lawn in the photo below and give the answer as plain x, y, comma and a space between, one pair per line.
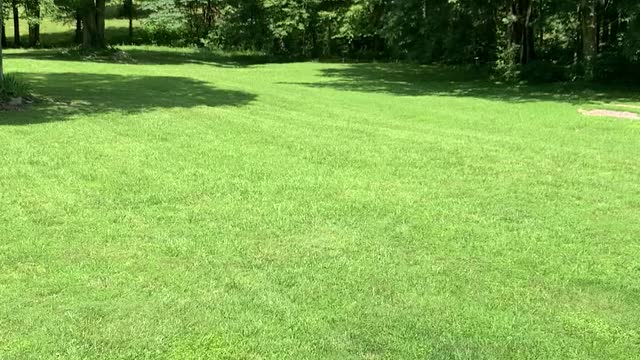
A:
146, 57
61, 95
392, 78
461, 81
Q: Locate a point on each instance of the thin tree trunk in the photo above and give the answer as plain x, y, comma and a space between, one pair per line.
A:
1, 23
78, 35
598, 31
577, 45
541, 17
314, 35
3, 37
131, 21
16, 24
589, 36
100, 9
522, 32
527, 36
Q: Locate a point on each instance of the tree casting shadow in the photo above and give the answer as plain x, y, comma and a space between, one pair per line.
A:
414, 80
61, 95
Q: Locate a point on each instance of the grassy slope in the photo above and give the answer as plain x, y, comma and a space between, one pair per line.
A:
181, 208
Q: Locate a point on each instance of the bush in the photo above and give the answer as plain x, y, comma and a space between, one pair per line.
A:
614, 67
542, 72
165, 26
505, 67
12, 87
157, 34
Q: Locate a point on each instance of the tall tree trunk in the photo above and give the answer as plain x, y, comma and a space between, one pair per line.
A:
598, 31
541, 20
89, 28
34, 35
100, 10
577, 43
93, 26
130, 21
589, 36
16, 24
522, 31
34, 28
314, 34
529, 36
3, 37
78, 34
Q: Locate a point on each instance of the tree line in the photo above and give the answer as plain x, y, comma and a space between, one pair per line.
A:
536, 38
30, 11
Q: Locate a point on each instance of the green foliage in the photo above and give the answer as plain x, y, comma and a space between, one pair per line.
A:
12, 87
631, 44
164, 25
180, 22
613, 66
506, 68
115, 11
288, 20
242, 25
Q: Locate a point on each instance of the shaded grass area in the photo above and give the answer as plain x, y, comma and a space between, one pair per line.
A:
412, 80
98, 93
148, 55
394, 79
188, 208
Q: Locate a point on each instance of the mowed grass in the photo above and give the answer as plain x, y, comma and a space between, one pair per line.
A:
180, 206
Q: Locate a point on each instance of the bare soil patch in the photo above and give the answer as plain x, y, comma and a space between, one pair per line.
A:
610, 113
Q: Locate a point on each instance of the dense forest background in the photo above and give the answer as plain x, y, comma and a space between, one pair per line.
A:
539, 40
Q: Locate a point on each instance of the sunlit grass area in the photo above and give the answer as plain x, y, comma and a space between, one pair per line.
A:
173, 204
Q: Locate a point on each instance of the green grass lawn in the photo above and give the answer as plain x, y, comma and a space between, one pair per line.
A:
182, 206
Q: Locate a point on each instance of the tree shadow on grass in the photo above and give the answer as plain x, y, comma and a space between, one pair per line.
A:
414, 80
146, 57
61, 95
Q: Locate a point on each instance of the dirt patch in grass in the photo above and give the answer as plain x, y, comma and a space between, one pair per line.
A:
15, 104
629, 106
610, 113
